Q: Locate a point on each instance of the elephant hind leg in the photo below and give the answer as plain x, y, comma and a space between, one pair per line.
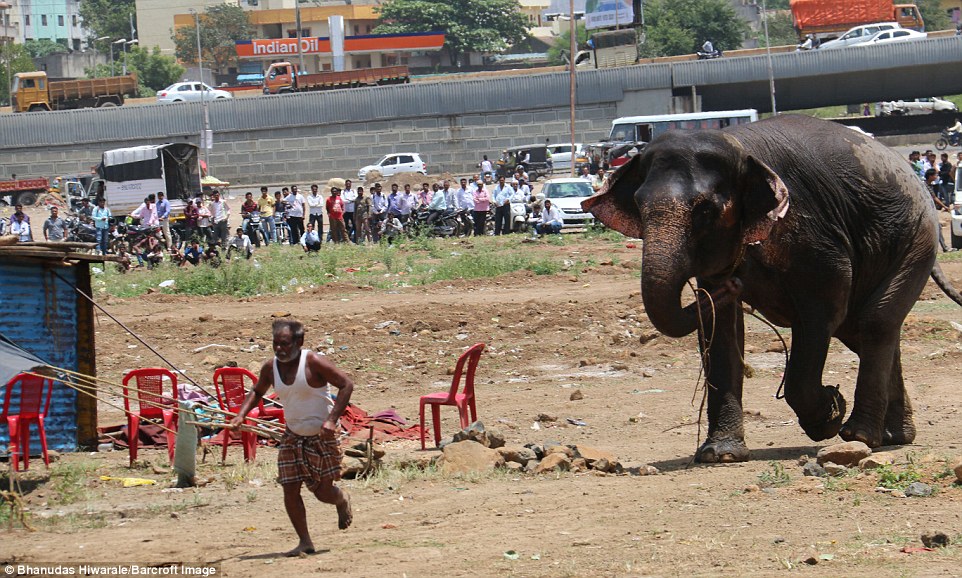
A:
899, 426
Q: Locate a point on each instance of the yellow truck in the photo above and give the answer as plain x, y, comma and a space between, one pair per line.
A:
33, 91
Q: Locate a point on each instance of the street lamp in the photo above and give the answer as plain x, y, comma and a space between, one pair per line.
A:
121, 41
96, 52
126, 44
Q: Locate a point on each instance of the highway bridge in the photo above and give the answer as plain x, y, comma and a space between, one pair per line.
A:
452, 122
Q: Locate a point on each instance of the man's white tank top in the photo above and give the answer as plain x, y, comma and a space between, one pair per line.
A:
305, 407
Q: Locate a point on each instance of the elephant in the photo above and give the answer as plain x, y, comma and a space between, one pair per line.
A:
816, 227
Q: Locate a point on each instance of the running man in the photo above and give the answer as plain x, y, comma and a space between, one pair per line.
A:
309, 453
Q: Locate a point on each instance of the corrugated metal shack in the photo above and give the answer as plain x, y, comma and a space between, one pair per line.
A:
42, 313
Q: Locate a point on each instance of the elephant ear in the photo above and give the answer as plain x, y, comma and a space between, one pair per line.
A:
765, 201
614, 205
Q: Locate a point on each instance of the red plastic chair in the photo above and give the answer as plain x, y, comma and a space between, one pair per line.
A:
463, 401
31, 400
151, 404
229, 384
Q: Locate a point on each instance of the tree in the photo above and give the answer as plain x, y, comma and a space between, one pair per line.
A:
468, 25
44, 47
154, 70
14, 58
935, 17
110, 18
681, 27
558, 52
781, 30
220, 27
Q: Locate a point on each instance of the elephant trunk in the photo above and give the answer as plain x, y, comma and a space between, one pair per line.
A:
665, 270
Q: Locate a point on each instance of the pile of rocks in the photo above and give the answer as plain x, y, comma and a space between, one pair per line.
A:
476, 449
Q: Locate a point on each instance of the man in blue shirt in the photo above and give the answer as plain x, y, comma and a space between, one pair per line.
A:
310, 240
101, 218
193, 254
163, 215
436, 207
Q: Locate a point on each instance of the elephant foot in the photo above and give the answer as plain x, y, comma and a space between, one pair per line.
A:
829, 422
899, 432
856, 430
722, 450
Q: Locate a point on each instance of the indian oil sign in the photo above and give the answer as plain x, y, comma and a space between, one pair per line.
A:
409, 42
283, 46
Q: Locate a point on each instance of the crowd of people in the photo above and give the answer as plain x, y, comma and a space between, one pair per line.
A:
348, 214
939, 178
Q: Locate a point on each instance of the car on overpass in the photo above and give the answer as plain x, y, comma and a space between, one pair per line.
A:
897, 35
858, 35
916, 106
190, 92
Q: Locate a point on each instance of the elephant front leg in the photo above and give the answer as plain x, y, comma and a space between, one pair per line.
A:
820, 409
726, 432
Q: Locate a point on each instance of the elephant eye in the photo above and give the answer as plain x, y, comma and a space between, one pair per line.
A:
703, 214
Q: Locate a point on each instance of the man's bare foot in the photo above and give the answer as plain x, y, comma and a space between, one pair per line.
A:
344, 513
303, 549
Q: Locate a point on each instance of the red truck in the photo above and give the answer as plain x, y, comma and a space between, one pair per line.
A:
830, 18
282, 77
23, 191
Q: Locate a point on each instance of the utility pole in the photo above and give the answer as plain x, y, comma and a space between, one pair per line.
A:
572, 81
206, 138
300, 51
768, 49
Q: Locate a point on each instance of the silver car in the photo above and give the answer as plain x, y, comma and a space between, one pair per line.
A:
858, 35
190, 92
567, 194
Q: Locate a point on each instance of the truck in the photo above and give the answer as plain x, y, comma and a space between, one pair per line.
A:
827, 19
609, 48
23, 191
33, 91
126, 176
283, 77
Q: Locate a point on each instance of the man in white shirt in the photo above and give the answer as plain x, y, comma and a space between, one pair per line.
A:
551, 221
240, 243
295, 214
378, 212
219, 216
349, 195
406, 204
20, 225
486, 167
502, 202
315, 204
464, 205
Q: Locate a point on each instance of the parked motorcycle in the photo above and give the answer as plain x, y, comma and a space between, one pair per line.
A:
947, 139
80, 232
446, 225
253, 228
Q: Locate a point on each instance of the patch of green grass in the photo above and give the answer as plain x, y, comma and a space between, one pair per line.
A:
281, 269
889, 477
775, 476
69, 481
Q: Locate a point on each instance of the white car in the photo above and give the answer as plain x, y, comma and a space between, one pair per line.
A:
858, 35
394, 164
567, 194
191, 92
917, 106
897, 35
561, 155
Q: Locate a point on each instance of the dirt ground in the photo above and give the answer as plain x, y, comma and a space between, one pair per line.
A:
546, 337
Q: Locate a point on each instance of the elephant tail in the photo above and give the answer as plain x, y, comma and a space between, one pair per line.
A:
945, 285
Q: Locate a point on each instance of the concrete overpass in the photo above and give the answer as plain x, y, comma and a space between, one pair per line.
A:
313, 136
